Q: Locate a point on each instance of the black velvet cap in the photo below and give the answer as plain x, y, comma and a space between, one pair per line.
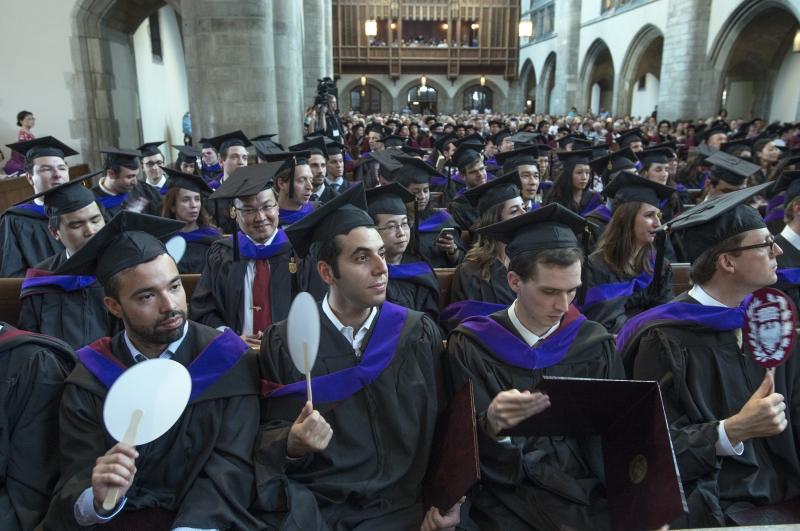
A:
628, 187
332, 147
789, 182
246, 181
523, 137
624, 159
413, 171
378, 128
466, 154
387, 159
630, 135
187, 181
265, 138
709, 131
390, 141
148, 149
124, 157
188, 153
500, 136
550, 227
580, 156
655, 155
417, 152
314, 146
473, 139
235, 138
340, 215
388, 199
731, 169
493, 192
511, 159
129, 239
46, 146
443, 140
67, 197
715, 220
577, 141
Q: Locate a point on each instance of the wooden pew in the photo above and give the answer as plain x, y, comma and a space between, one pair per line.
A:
680, 278
445, 277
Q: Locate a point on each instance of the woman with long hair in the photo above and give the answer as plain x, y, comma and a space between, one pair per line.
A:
184, 201
573, 187
25, 122
766, 155
187, 160
621, 270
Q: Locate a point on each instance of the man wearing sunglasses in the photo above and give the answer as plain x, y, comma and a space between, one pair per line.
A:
735, 426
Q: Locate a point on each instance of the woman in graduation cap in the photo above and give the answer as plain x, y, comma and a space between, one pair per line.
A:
479, 286
187, 160
573, 188
185, 201
620, 272
766, 155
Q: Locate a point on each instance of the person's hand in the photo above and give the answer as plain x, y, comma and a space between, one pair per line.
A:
509, 408
434, 520
764, 414
115, 469
309, 433
447, 244
254, 340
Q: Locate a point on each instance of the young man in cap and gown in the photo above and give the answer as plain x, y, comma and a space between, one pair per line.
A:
120, 188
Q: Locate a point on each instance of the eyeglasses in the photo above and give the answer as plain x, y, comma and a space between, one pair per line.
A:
249, 212
153, 164
394, 227
770, 242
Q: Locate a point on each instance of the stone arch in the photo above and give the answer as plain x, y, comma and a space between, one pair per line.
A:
93, 78
386, 97
597, 69
547, 81
747, 53
527, 77
443, 100
643, 56
499, 99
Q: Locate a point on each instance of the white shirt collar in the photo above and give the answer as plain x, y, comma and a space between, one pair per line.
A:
700, 295
269, 240
338, 181
171, 349
791, 237
160, 183
318, 190
103, 187
530, 338
347, 331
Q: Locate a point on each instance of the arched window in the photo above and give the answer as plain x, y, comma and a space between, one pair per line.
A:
365, 99
477, 98
422, 99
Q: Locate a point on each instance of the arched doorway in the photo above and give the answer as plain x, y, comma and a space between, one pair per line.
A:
548, 81
422, 99
640, 74
366, 99
528, 78
477, 98
597, 78
754, 70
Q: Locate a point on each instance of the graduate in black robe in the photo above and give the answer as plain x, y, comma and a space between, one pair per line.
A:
789, 237
32, 372
575, 179
412, 281
227, 280
377, 396
692, 347
117, 190
220, 209
468, 158
199, 473
24, 235
543, 483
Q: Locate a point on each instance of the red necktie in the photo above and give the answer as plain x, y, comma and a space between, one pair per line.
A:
262, 311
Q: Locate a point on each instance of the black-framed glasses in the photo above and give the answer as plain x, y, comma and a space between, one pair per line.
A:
770, 242
249, 212
395, 227
154, 163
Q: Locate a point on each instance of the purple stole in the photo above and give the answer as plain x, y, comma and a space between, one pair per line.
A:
214, 184
200, 234
458, 311
409, 271
790, 275
37, 278
251, 251
219, 356
507, 347
601, 212
288, 217
593, 203
436, 221
776, 214
33, 207
342, 384
714, 317
111, 201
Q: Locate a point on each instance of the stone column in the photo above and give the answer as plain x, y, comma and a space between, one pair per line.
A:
288, 43
314, 49
568, 28
230, 66
683, 63
328, 37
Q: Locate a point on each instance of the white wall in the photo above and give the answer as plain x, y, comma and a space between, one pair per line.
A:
644, 101
36, 68
163, 93
785, 96
594, 99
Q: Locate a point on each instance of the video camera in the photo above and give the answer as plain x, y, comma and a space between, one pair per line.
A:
325, 87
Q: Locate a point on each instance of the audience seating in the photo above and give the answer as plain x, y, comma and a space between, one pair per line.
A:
445, 277
680, 278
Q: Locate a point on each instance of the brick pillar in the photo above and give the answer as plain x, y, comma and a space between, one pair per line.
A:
568, 28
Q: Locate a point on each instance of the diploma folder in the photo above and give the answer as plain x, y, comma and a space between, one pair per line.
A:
454, 466
643, 484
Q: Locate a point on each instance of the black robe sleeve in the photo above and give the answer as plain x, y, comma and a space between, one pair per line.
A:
25, 241
214, 297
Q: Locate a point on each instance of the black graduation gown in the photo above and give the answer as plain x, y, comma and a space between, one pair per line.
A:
201, 469
369, 476
141, 191
194, 259
790, 259
427, 242
705, 377
220, 211
218, 298
327, 194
25, 241
419, 293
613, 313
32, 373
539, 483
468, 284
463, 212
77, 317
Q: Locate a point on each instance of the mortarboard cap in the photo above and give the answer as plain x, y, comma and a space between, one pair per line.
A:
442, 141
512, 159
500, 136
789, 182
67, 197
627, 137
413, 171
149, 149
264, 138
246, 181
235, 138
493, 192
187, 181
187, 153
624, 159
655, 156
46, 146
576, 156
731, 169
716, 220
393, 141
378, 128
413, 151
466, 154
124, 157
577, 141
129, 239
314, 146
332, 147
388, 199
628, 187
550, 227
523, 137
735, 146
338, 216
474, 139
387, 160
708, 132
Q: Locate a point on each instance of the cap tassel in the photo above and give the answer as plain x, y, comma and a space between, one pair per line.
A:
290, 179
581, 295
292, 265
232, 214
